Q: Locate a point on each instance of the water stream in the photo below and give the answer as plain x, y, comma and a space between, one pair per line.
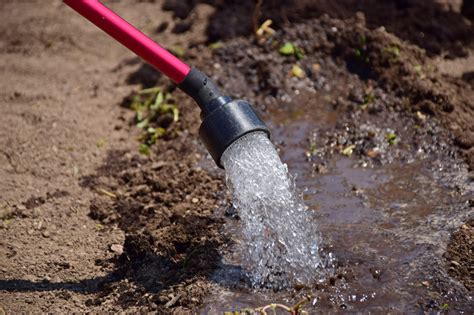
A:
282, 242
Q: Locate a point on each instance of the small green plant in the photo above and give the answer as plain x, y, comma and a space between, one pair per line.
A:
265, 30
101, 143
420, 71
393, 51
290, 49
391, 138
360, 52
216, 45
444, 307
369, 98
154, 113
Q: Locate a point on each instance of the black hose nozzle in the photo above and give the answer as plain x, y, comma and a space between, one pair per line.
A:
223, 120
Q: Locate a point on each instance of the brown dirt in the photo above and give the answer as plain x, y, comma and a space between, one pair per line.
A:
422, 23
61, 82
73, 183
460, 254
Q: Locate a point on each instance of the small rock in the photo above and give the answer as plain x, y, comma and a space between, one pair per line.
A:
56, 279
30, 231
173, 300
158, 165
316, 67
372, 153
455, 263
425, 283
45, 234
117, 249
421, 117
194, 200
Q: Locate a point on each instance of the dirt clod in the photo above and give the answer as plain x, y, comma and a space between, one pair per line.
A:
460, 254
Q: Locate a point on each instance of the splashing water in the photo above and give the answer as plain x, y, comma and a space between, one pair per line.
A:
280, 238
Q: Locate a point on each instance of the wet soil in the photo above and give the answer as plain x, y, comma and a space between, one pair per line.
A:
379, 137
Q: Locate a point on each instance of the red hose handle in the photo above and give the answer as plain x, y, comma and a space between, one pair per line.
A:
130, 37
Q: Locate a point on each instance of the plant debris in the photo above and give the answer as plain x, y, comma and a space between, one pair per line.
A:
155, 112
290, 49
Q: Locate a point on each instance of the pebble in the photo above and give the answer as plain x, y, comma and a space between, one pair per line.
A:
455, 263
173, 300
158, 165
117, 249
45, 234
316, 67
194, 200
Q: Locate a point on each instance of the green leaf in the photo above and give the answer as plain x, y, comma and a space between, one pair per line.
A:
158, 101
175, 114
357, 53
152, 90
160, 132
100, 143
144, 149
391, 138
444, 306
216, 45
143, 124
151, 130
287, 49
299, 53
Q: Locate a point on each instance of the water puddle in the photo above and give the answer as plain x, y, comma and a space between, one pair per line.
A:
386, 226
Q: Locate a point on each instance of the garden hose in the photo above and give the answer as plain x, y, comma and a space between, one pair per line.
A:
223, 120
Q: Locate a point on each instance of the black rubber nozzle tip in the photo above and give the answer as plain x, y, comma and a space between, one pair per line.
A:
224, 120
226, 124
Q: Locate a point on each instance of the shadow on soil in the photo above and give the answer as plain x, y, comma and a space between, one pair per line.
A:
171, 236
165, 210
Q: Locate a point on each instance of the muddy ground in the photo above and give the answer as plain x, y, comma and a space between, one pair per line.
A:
377, 126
